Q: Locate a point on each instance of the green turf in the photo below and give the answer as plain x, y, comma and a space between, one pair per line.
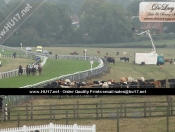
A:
52, 69
10, 52
141, 44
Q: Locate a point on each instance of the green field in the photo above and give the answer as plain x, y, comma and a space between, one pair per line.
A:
141, 44
122, 69
9, 52
52, 69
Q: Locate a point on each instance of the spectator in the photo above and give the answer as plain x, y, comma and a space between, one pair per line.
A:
56, 56
14, 54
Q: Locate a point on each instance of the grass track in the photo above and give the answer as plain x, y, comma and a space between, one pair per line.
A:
52, 68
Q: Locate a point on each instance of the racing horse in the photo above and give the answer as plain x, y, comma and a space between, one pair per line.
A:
20, 71
28, 70
33, 70
39, 70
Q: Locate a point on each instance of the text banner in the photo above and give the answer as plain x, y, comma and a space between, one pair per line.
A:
18, 17
157, 11
87, 91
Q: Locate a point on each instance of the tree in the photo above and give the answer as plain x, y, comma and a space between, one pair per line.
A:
51, 22
104, 22
133, 7
136, 24
2, 3
1, 17
29, 37
170, 27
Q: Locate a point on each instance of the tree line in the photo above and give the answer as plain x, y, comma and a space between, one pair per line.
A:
101, 21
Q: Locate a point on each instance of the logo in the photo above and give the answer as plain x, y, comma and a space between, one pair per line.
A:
157, 11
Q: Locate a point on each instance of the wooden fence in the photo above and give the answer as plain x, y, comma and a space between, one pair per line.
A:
92, 111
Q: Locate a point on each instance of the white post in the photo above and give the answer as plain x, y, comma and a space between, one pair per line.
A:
6, 111
93, 128
21, 45
75, 126
91, 65
24, 128
51, 127
85, 53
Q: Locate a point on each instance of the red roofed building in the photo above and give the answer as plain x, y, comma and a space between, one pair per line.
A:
157, 27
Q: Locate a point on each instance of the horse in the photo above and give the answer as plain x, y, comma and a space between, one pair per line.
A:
20, 71
39, 70
117, 53
127, 59
33, 70
124, 58
98, 51
28, 70
110, 60
167, 60
75, 53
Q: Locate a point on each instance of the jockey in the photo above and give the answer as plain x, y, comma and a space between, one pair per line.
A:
20, 67
33, 66
39, 65
29, 66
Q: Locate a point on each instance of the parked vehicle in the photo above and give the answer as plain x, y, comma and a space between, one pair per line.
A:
149, 58
45, 52
39, 49
28, 49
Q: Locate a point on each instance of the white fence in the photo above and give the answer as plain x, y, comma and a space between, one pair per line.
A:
78, 76
81, 75
13, 73
52, 128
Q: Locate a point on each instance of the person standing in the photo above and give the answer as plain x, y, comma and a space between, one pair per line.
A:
14, 54
56, 56
20, 70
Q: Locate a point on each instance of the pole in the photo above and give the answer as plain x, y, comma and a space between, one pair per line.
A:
18, 120
85, 53
167, 119
21, 45
117, 120
91, 62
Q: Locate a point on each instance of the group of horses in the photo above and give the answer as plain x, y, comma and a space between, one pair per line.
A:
74, 53
30, 71
112, 60
124, 58
169, 61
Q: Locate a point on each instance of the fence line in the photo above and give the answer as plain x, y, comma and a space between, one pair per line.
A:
52, 128
14, 72
92, 110
14, 100
78, 76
